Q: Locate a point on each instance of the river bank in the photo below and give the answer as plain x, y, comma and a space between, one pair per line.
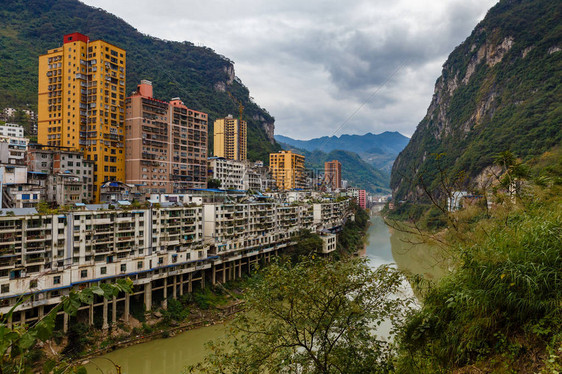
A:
171, 355
210, 318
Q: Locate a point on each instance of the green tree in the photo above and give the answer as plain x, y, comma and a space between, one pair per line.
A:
214, 183
316, 316
307, 243
18, 341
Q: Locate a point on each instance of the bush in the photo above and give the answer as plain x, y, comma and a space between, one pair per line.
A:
206, 298
176, 311
137, 310
504, 298
77, 339
146, 328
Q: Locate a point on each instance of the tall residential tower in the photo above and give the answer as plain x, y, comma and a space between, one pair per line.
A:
166, 144
287, 168
332, 174
81, 103
230, 138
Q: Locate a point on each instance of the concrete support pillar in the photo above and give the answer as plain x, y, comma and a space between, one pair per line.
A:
91, 314
202, 278
240, 268
104, 326
181, 285
190, 282
127, 306
10, 323
114, 311
148, 296
165, 301
22, 317
175, 290
214, 275
224, 266
65, 323
40, 312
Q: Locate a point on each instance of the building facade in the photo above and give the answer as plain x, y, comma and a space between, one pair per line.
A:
67, 175
166, 148
163, 249
231, 173
81, 103
362, 201
230, 138
332, 174
287, 168
11, 129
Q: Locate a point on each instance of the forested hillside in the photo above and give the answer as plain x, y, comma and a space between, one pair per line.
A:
354, 169
501, 89
198, 75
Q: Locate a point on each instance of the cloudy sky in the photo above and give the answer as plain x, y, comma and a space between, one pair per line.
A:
322, 67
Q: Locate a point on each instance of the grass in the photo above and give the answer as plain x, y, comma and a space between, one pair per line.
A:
503, 302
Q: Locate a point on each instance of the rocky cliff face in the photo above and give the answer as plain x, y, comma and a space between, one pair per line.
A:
259, 116
501, 89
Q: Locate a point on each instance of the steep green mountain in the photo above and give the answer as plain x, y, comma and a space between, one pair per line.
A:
501, 89
354, 169
379, 150
198, 75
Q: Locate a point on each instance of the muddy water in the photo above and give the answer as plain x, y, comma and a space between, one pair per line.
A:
162, 356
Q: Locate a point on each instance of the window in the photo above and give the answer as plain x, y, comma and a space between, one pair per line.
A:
56, 279
5, 288
83, 273
139, 265
123, 267
33, 283
103, 270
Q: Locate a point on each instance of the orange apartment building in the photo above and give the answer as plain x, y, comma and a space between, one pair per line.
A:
230, 138
332, 174
166, 144
81, 103
287, 168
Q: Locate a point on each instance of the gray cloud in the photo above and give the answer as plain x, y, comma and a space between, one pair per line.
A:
313, 63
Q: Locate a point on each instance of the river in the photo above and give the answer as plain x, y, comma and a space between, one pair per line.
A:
171, 355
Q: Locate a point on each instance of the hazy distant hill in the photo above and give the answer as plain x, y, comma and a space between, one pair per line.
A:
378, 150
501, 89
354, 169
198, 75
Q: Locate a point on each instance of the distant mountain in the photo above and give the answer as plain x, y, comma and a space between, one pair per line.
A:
501, 89
354, 169
377, 150
201, 77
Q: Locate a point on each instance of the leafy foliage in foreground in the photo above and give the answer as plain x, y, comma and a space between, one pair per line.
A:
17, 342
503, 300
312, 317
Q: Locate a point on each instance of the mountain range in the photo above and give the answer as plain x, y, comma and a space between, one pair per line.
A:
355, 170
202, 78
500, 90
378, 150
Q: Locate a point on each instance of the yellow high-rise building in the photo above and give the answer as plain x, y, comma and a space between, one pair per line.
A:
230, 138
287, 168
81, 103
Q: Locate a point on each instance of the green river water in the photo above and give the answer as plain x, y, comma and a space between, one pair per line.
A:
171, 355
